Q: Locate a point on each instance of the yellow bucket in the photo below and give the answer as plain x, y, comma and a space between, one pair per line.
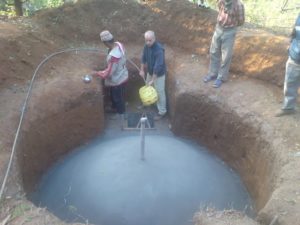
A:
148, 95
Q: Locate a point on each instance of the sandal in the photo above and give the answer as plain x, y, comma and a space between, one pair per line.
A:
208, 78
217, 83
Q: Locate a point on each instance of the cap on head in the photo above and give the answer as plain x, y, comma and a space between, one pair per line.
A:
106, 36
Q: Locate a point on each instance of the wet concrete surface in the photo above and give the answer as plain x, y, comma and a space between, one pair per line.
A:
106, 182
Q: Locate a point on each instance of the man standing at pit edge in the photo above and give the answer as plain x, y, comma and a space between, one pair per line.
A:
292, 73
231, 15
153, 60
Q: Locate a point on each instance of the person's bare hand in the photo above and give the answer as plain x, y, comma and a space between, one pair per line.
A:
150, 82
142, 74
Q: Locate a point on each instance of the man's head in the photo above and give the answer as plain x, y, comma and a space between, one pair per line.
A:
149, 38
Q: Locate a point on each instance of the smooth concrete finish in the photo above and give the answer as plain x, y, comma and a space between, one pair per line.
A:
107, 183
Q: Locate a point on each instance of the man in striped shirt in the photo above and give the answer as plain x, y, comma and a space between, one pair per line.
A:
231, 15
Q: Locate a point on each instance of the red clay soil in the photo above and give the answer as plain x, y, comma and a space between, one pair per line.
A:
246, 104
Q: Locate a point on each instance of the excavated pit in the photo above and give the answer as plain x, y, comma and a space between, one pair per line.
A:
107, 182
52, 131
65, 113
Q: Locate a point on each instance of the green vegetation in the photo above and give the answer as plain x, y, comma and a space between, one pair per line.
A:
276, 15
20, 210
7, 7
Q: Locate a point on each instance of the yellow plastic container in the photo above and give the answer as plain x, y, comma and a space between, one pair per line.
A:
148, 95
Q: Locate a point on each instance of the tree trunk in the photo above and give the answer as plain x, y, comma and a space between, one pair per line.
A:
18, 7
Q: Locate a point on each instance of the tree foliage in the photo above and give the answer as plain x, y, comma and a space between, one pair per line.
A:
27, 7
6, 7
276, 15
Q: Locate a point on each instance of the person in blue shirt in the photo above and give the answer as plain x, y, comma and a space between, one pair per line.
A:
153, 61
292, 73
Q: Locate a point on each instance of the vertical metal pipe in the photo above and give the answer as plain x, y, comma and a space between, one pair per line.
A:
143, 122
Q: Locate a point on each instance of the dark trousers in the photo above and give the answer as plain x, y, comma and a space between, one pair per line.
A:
117, 94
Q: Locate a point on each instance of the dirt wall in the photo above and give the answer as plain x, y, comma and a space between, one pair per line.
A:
55, 124
230, 136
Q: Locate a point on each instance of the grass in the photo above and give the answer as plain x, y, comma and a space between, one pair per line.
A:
20, 210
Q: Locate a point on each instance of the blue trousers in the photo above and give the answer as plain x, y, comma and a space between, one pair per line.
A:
291, 84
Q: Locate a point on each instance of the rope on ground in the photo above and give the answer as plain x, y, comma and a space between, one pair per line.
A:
26, 101
132, 63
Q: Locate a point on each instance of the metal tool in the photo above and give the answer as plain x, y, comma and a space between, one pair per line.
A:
87, 78
143, 121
